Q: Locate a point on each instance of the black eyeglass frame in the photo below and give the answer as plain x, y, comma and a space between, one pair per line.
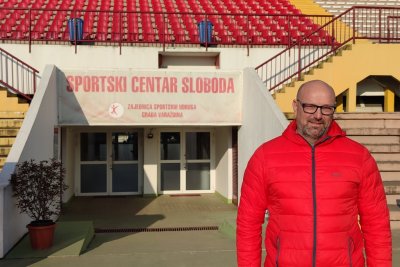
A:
316, 107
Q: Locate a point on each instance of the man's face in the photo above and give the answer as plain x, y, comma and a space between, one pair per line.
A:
313, 126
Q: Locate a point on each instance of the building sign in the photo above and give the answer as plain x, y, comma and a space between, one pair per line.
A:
143, 98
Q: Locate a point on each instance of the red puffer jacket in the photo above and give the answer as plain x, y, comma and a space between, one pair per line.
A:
314, 195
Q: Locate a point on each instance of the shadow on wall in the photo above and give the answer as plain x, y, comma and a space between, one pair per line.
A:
35, 140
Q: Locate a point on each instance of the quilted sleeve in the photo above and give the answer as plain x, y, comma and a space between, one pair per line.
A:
251, 214
374, 215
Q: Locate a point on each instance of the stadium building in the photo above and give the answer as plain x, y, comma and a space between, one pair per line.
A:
172, 97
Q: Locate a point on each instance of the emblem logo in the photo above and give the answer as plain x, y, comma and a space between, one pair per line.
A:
116, 110
336, 174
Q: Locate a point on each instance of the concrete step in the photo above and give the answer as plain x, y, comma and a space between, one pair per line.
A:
383, 147
386, 156
392, 187
372, 131
367, 116
390, 176
373, 139
8, 132
2, 161
393, 199
389, 165
394, 225
351, 124
394, 212
11, 102
11, 123
4, 151
7, 141
12, 115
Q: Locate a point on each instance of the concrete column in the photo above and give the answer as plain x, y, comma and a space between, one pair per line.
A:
339, 103
351, 98
150, 159
389, 100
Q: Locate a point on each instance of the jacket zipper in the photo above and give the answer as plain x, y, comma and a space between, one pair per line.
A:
314, 252
314, 195
278, 249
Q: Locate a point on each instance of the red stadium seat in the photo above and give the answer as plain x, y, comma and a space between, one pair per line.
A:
133, 27
5, 31
148, 34
3, 14
88, 29
295, 35
151, 27
257, 40
92, 4
225, 37
117, 30
102, 31
282, 37
53, 32
38, 31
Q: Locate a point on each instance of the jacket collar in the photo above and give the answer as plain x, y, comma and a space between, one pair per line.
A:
334, 131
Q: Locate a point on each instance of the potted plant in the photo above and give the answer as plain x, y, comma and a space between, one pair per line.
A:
38, 188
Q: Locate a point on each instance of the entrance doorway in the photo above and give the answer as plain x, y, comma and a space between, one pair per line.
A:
109, 163
185, 162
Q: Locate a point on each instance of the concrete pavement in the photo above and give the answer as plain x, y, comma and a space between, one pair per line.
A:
167, 248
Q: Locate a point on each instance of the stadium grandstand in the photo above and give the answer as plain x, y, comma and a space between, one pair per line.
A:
172, 97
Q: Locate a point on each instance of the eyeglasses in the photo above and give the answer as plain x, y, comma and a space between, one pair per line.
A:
311, 108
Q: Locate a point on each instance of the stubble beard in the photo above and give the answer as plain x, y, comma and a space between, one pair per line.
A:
314, 132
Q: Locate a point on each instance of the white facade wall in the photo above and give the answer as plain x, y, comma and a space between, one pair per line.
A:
34, 141
68, 145
141, 58
223, 162
150, 163
262, 119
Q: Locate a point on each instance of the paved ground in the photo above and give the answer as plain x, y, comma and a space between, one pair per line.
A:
206, 248
171, 248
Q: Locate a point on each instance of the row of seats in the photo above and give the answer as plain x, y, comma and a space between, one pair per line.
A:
150, 26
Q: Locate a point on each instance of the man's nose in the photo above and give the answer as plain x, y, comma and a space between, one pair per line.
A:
318, 113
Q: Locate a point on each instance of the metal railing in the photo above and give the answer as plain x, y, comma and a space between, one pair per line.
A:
393, 28
156, 28
360, 22
17, 76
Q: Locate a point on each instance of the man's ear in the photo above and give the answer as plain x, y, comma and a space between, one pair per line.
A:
294, 106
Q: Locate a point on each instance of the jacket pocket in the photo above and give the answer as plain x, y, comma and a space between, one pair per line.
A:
278, 250
350, 248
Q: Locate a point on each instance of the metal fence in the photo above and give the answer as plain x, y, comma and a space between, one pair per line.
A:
378, 24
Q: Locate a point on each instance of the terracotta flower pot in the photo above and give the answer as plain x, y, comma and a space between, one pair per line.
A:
41, 236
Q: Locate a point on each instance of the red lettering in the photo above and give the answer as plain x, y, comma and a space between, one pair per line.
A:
120, 84
70, 83
78, 82
231, 86
174, 85
199, 85
185, 84
95, 83
134, 87
158, 85
110, 82
86, 83
165, 86
207, 85
142, 83
102, 80
149, 84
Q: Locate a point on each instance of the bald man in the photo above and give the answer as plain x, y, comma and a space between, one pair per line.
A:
323, 191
